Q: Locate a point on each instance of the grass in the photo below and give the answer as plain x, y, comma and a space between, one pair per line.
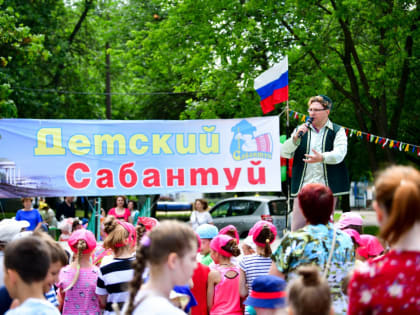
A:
7, 215
371, 229
79, 214
173, 216
337, 216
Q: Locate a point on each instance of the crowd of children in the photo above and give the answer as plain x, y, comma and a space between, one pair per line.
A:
152, 267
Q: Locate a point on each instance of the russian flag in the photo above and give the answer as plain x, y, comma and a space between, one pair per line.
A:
273, 86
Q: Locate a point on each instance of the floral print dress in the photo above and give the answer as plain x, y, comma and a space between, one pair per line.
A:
311, 245
387, 285
81, 298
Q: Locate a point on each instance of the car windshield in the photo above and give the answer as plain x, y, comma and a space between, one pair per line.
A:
277, 207
235, 208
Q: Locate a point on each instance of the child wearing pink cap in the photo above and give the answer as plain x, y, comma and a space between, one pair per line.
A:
370, 247
231, 231
77, 282
350, 220
263, 234
223, 282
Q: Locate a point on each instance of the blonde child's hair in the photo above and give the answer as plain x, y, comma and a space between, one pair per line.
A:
81, 246
117, 235
140, 231
155, 247
310, 293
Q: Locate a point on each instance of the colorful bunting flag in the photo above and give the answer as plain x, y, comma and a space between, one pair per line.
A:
393, 144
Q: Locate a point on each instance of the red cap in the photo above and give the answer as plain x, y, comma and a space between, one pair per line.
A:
354, 234
369, 247
230, 228
258, 227
218, 242
84, 235
149, 223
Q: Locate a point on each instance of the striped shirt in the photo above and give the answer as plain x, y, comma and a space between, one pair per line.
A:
254, 266
113, 280
51, 296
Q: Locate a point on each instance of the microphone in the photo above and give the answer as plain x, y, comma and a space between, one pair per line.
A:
307, 124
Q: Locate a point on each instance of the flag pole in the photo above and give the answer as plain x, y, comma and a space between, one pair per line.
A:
287, 166
98, 219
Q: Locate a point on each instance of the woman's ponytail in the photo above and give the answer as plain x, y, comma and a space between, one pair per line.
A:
266, 237
404, 212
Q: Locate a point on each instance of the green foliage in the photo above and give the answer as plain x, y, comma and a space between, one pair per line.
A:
197, 59
17, 48
371, 229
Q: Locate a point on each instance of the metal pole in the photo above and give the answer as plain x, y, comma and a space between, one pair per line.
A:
287, 166
98, 219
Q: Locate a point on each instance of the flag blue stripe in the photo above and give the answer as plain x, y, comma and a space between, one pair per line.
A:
267, 90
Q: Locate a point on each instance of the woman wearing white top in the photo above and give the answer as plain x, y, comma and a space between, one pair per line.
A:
200, 215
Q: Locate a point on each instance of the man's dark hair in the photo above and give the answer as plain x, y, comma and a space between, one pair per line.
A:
29, 257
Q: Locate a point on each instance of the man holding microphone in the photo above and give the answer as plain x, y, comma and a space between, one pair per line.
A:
318, 148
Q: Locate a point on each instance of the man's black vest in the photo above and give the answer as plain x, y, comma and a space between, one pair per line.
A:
335, 175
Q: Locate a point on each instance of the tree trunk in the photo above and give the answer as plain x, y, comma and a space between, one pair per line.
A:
107, 82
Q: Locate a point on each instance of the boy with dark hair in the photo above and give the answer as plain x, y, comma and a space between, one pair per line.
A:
26, 263
59, 259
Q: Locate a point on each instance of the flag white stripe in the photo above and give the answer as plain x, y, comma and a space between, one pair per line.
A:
271, 74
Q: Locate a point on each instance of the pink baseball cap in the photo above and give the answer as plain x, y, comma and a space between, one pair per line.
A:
218, 242
258, 227
84, 235
349, 218
230, 228
370, 246
354, 234
149, 223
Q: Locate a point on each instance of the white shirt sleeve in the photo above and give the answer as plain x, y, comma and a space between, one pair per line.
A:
209, 219
288, 148
339, 151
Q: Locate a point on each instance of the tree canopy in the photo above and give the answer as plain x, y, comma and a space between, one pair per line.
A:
196, 59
